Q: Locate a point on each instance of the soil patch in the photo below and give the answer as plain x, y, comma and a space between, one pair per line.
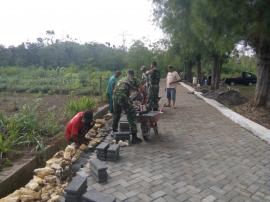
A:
239, 99
259, 115
228, 97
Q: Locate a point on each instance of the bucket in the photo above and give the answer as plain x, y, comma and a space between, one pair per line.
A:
194, 80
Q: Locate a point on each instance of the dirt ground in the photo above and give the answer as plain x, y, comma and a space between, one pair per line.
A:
10, 103
258, 115
239, 98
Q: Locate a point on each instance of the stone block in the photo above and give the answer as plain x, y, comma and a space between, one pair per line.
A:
72, 198
99, 170
77, 186
102, 147
122, 135
124, 126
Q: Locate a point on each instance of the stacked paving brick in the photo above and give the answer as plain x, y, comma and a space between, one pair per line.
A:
124, 126
99, 170
76, 189
101, 151
122, 135
113, 152
94, 196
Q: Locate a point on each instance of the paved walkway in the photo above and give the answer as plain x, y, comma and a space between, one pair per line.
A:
199, 156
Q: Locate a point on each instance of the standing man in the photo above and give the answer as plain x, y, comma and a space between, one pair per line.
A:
78, 126
171, 83
153, 90
111, 84
122, 102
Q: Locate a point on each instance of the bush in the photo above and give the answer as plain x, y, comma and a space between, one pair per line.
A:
81, 104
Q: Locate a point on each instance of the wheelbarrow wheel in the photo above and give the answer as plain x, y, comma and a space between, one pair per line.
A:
145, 131
155, 129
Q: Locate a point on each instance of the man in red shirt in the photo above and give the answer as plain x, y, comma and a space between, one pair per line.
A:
78, 126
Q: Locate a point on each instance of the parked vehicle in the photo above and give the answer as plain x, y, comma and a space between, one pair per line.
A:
246, 78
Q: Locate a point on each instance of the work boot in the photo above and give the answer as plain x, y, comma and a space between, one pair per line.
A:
135, 139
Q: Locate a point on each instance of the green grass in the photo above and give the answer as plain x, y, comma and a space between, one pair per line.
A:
24, 129
76, 105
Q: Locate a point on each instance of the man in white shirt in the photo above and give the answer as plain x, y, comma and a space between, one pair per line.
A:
171, 83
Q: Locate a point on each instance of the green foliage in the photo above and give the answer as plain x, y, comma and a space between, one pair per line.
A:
81, 104
52, 81
236, 65
49, 52
5, 145
24, 129
50, 126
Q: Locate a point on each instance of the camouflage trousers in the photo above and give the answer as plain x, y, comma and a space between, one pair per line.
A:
121, 103
153, 98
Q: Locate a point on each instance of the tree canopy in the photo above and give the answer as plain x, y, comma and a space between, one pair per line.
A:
214, 28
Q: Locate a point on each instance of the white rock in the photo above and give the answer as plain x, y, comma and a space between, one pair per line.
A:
83, 147
51, 179
33, 185
38, 180
69, 152
59, 154
54, 198
42, 172
29, 195
54, 161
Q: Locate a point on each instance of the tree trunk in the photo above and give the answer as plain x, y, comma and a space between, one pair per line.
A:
262, 92
215, 77
189, 71
199, 70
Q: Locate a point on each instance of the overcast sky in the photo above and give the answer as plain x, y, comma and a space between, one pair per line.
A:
87, 20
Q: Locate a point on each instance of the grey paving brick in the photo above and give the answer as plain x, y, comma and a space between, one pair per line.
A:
95, 196
158, 194
209, 199
77, 186
198, 155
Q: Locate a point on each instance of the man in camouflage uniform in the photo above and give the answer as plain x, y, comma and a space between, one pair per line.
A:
121, 102
153, 89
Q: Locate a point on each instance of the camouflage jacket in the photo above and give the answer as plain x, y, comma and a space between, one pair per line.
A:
125, 87
154, 77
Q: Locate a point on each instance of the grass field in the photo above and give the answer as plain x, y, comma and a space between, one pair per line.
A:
36, 103
53, 81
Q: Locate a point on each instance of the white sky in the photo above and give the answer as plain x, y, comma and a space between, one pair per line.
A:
87, 20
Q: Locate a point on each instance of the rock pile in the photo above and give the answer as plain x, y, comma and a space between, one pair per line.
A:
48, 183
96, 134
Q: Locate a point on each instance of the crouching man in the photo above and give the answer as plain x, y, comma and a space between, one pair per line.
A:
78, 126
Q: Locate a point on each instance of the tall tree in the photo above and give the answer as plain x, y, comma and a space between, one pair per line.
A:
227, 22
174, 17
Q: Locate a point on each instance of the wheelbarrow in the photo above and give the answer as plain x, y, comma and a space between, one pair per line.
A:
148, 120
